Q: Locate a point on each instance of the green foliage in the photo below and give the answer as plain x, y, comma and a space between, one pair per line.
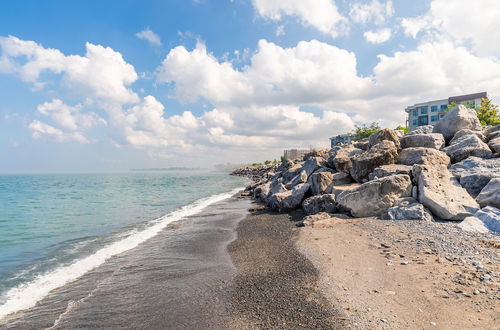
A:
451, 106
488, 113
364, 131
403, 128
283, 159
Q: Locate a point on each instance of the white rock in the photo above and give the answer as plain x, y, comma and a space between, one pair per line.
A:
466, 146
456, 119
433, 140
490, 195
320, 182
484, 221
425, 156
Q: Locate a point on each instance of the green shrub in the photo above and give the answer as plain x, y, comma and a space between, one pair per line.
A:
364, 131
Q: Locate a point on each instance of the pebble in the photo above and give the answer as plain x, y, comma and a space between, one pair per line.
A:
476, 291
383, 320
405, 262
433, 324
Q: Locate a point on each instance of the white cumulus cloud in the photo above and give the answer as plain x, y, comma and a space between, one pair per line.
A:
374, 11
322, 15
378, 36
149, 36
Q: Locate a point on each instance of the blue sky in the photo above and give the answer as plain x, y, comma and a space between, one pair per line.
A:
224, 81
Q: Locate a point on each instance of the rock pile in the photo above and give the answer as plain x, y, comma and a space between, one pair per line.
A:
449, 172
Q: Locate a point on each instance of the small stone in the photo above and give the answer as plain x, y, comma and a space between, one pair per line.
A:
482, 290
433, 324
405, 262
383, 320
476, 292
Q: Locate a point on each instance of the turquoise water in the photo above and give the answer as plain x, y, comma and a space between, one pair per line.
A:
51, 221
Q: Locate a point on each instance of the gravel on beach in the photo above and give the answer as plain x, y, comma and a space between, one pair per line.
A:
276, 286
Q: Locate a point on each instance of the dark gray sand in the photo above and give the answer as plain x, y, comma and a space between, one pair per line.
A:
276, 286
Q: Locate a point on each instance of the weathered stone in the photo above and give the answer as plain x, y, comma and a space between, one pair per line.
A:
466, 146
427, 129
464, 132
341, 178
299, 178
262, 191
433, 140
491, 130
494, 135
411, 156
490, 195
362, 144
341, 160
312, 164
383, 153
440, 192
409, 209
458, 118
484, 221
337, 189
320, 182
386, 170
320, 203
277, 187
375, 197
474, 173
290, 199
324, 220
384, 134
494, 144
292, 172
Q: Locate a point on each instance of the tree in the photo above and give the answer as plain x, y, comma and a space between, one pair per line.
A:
403, 128
283, 159
364, 131
488, 113
451, 106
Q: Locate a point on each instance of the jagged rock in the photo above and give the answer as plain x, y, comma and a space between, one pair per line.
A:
386, 170
465, 146
341, 160
262, 191
458, 118
361, 144
427, 129
409, 209
290, 199
292, 172
337, 189
433, 140
494, 144
440, 192
299, 178
320, 182
375, 197
384, 134
320, 203
474, 173
383, 153
490, 195
464, 132
312, 164
494, 135
323, 153
277, 187
493, 130
484, 221
341, 178
411, 156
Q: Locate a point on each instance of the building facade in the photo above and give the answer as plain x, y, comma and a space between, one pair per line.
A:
340, 139
295, 153
429, 113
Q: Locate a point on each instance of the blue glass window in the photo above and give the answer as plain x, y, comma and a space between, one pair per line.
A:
423, 121
434, 108
441, 116
415, 113
423, 111
415, 122
444, 107
434, 118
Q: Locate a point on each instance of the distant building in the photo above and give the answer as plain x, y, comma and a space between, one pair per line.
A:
429, 113
295, 153
340, 139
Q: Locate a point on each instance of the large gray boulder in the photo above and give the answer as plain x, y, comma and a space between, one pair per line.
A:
386, 170
291, 172
494, 145
375, 197
440, 192
433, 140
383, 153
427, 129
458, 118
424, 156
320, 203
289, 199
320, 182
466, 146
363, 144
341, 159
312, 164
299, 178
341, 178
464, 132
262, 191
408, 209
474, 173
490, 195
384, 134
491, 132
484, 221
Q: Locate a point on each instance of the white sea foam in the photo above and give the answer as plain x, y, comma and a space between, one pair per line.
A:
28, 294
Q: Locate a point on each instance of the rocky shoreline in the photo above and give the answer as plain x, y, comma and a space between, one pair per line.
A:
448, 172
